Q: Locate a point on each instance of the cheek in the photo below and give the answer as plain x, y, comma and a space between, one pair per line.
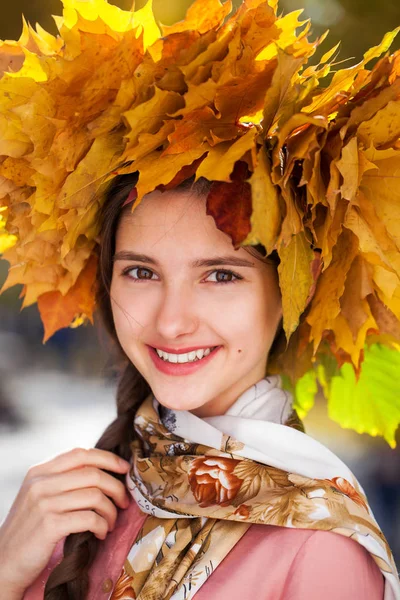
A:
124, 310
266, 313
242, 320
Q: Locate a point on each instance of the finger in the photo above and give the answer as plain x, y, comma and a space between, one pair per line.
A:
80, 457
86, 477
89, 498
61, 525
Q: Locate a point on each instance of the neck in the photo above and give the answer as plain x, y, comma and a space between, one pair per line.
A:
221, 404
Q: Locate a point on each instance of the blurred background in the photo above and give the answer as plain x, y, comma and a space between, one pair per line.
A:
60, 395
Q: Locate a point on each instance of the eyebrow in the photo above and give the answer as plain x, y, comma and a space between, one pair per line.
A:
200, 262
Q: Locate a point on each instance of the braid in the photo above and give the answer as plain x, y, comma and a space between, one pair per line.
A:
69, 580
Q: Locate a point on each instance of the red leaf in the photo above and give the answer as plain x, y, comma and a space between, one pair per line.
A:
230, 206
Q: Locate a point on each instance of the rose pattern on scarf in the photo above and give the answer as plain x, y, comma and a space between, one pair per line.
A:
123, 589
343, 486
212, 480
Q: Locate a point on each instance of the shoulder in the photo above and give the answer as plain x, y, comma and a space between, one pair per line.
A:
340, 547
329, 564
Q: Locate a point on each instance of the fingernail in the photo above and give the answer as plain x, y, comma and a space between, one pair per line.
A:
124, 463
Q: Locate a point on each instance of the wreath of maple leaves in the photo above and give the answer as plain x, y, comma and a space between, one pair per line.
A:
305, 169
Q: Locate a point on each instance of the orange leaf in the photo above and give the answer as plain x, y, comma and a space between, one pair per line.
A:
245, 95
185, 173
58, 311
156, 169
196, 128
11, 57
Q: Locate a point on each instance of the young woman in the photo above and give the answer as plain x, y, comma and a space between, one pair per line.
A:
206, 485
225, 496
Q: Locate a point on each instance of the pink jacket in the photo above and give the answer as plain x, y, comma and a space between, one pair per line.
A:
268, 563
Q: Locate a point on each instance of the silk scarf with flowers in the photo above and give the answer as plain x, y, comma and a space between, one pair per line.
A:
203, 482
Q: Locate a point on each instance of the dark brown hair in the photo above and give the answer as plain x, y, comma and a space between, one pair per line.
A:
69, 580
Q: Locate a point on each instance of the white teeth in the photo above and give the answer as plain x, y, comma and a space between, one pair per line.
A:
185, 357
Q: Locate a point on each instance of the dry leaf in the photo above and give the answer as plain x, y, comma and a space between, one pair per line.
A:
58, 311
230, 206
266, 210
295, 280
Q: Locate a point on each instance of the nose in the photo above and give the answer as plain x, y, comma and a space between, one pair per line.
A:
177, 313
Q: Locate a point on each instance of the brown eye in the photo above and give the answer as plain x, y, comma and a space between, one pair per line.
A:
129, 273
141, 269
225, 276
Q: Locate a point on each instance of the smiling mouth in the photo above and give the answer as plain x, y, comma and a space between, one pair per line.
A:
196, 359
181, 368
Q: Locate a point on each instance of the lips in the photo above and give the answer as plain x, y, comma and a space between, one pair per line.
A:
181, 368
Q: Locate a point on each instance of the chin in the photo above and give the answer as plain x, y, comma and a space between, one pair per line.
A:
178, 404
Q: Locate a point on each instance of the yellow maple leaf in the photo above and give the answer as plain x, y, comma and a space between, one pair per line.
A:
156, 170
145, 18
201, 16
220, 160
326, 305
295, 280
149, 116
266, 213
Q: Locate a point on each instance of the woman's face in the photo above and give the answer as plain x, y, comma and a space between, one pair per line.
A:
179, 297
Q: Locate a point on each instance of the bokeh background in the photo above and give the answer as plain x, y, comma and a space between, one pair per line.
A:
60, 395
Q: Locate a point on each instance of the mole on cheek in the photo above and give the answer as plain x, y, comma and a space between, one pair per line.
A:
239, 350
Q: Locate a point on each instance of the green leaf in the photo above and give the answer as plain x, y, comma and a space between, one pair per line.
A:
305, 391
371, 405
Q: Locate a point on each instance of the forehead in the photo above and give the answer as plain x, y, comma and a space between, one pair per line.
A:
158, 208
172, 218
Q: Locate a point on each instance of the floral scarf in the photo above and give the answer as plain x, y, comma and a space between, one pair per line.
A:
205, 481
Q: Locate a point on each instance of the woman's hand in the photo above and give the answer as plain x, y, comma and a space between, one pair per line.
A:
68, 494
